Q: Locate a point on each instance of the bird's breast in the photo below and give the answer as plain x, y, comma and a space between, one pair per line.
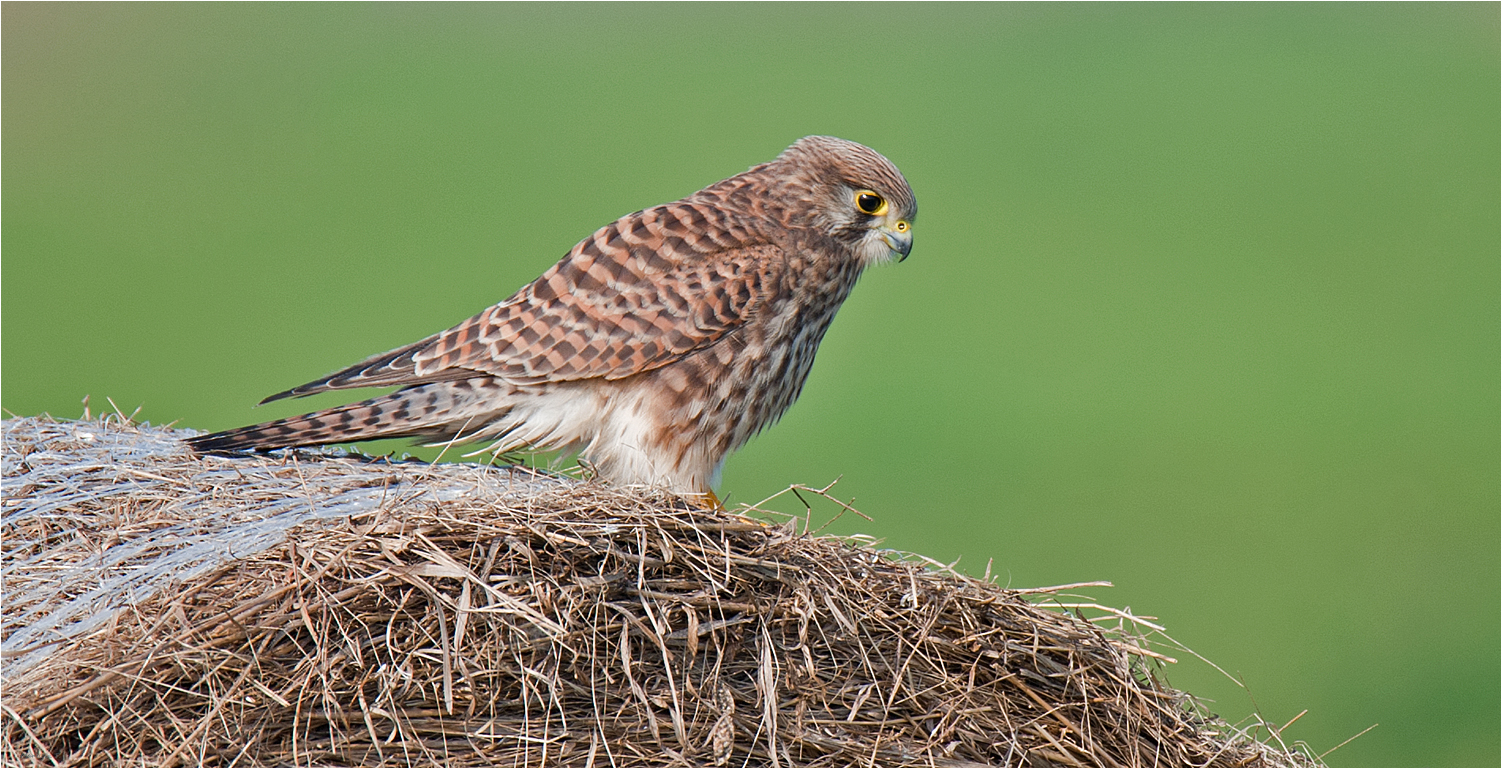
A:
689, 415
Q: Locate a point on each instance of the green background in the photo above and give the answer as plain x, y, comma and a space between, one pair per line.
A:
1204, 299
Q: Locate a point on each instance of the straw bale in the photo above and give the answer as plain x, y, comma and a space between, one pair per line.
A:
317, 608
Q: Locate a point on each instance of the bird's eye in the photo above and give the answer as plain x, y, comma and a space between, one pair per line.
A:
870, 203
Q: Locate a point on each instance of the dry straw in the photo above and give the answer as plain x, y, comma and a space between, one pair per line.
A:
308, 608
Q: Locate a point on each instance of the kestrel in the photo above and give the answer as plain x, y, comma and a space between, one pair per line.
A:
655, 348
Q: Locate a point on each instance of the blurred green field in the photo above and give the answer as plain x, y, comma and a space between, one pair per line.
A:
1204, 298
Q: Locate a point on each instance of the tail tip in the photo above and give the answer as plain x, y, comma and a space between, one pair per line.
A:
220, 444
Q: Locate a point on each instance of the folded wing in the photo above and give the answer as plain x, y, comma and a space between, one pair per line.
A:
639, 294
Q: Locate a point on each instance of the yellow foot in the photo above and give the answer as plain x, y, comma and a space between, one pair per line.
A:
708, 501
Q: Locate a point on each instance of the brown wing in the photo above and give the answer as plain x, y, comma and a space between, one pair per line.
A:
640, 293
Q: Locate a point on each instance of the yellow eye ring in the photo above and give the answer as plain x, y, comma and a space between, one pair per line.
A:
870, 203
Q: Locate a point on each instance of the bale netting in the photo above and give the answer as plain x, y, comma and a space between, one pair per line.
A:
315, 608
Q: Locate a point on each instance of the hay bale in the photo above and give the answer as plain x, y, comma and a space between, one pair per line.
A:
307, 608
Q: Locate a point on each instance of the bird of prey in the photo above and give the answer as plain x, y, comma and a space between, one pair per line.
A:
657, 346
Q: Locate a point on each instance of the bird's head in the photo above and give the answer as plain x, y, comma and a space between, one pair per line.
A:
850, 193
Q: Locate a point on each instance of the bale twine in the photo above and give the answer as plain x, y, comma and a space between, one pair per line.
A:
315, 608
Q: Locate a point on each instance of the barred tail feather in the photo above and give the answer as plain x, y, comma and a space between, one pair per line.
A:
429, 411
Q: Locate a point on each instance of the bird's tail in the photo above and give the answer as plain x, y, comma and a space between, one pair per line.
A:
434, 411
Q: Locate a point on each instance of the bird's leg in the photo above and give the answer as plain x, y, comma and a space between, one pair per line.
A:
707, 500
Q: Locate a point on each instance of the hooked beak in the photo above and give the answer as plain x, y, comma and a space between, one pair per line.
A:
901, 243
